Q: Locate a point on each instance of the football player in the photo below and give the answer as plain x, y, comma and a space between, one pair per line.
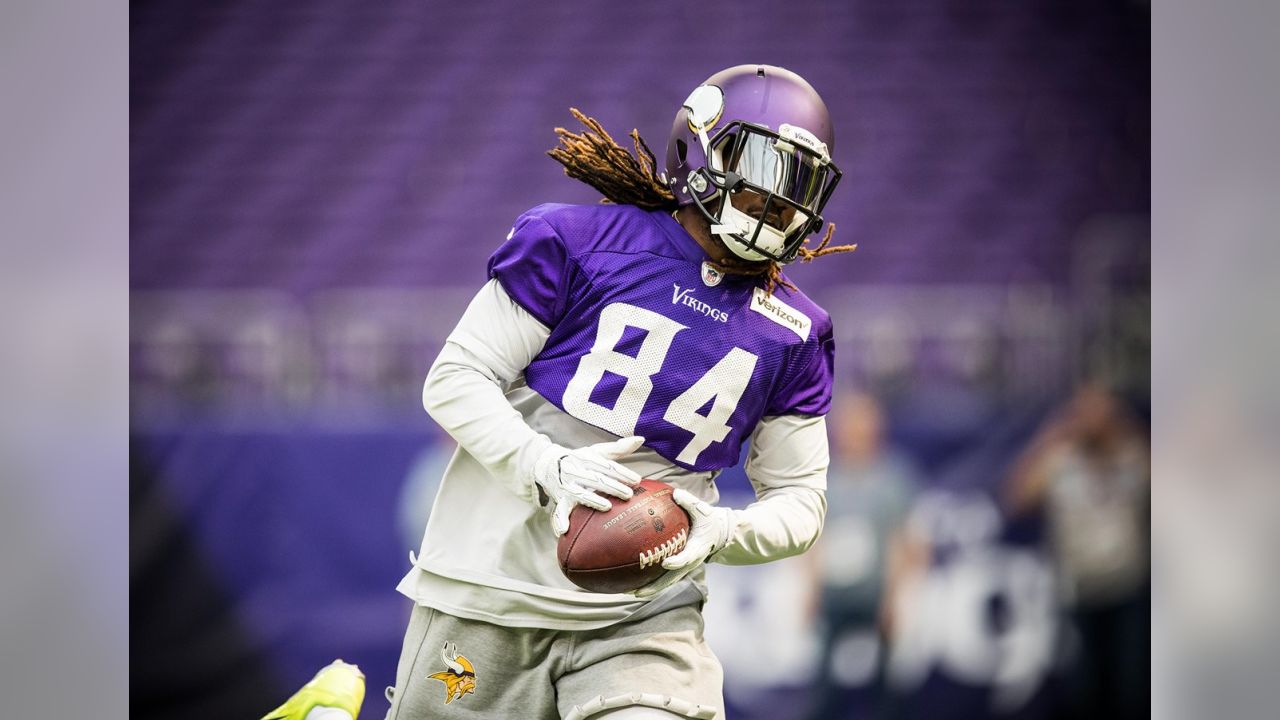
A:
648, 337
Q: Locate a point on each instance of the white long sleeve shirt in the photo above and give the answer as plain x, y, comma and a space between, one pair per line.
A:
489, 553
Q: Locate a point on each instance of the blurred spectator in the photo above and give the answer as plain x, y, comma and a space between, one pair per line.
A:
1088, 472
870, 491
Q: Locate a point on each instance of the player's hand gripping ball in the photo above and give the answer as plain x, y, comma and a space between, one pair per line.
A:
622, 549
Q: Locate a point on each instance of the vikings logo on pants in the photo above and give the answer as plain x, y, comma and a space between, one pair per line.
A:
460, 678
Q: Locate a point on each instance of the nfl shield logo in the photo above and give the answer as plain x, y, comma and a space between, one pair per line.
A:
710, 276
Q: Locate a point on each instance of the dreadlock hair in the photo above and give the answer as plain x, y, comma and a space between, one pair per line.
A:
595, 158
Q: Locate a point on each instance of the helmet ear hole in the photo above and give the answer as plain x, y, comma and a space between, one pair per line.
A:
682, 150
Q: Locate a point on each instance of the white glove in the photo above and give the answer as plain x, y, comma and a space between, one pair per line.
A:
710, 530
569, 478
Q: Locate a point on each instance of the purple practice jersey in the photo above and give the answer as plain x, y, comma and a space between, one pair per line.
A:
642, 344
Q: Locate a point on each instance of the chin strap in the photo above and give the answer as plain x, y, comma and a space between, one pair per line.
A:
736, 225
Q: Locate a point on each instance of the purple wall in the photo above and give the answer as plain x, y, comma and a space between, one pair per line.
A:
307, 145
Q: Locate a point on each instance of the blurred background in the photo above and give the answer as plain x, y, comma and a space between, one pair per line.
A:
315, 187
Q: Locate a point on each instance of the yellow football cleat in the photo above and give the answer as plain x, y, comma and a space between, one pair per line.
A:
335, 693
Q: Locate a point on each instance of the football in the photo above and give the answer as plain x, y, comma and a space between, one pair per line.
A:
622, 549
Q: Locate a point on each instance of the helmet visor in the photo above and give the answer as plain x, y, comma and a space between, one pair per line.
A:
781, 166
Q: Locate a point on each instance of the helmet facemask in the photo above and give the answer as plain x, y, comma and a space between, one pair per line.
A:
790, 169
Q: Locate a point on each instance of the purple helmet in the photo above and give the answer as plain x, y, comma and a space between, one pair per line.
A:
760, 128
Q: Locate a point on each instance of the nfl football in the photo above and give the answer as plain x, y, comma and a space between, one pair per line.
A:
622, 549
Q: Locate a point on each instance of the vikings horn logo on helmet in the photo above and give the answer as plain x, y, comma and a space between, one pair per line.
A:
460, 678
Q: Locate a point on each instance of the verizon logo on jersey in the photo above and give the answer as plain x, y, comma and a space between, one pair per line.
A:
781, 313
684, 296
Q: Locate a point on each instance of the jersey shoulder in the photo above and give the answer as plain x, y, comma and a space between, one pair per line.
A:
787, 298
627, 229
810, 365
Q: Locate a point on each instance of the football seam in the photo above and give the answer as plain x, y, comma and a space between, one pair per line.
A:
585, 571
639, 560
671, 546
573, 542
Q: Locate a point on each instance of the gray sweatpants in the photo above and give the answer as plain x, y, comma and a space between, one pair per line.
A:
455, 668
